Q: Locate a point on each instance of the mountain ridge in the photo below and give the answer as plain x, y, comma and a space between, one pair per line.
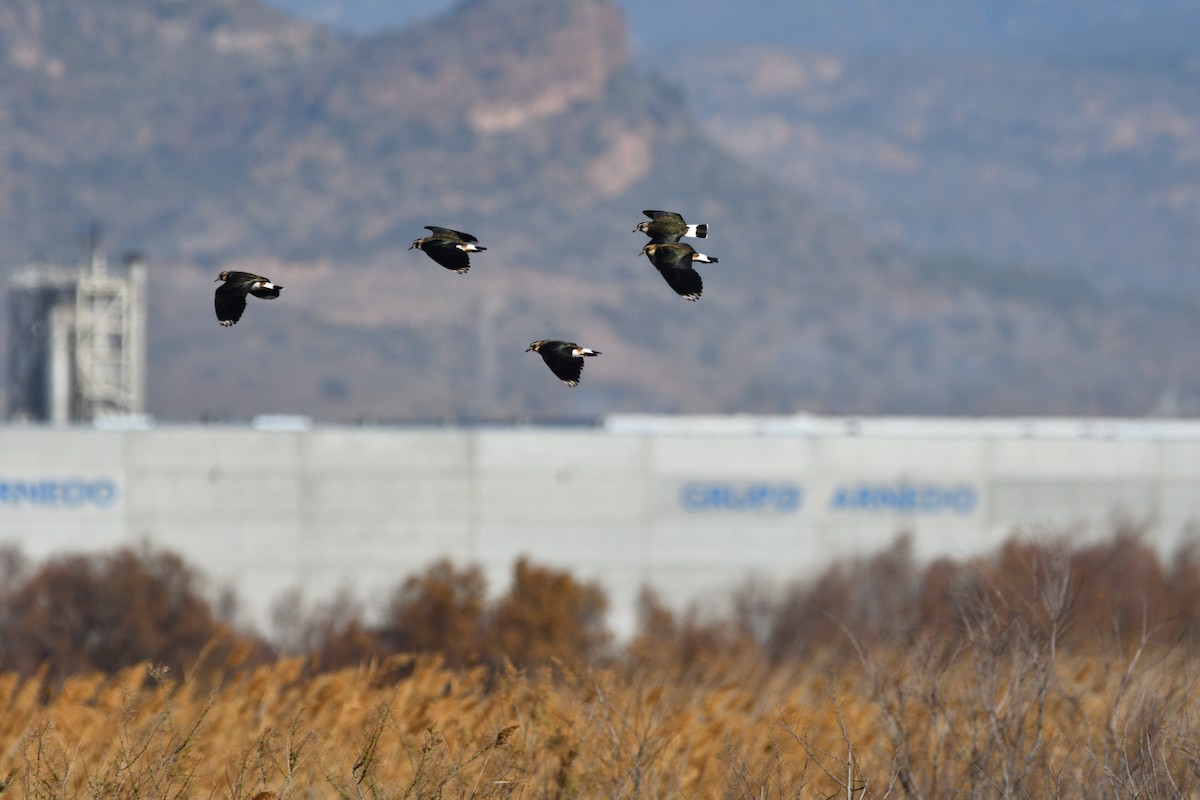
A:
1077, 168
317, 165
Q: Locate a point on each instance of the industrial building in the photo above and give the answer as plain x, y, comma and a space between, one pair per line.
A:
691, 506
76, 339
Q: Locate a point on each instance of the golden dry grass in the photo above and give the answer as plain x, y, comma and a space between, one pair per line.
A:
919, 722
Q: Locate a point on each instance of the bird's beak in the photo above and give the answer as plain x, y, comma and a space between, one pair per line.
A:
527, 349
215, 280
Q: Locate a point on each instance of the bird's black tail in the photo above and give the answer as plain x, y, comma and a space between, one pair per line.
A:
267, 291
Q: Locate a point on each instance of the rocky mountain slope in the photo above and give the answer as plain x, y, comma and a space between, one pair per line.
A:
219, 134
1076, 167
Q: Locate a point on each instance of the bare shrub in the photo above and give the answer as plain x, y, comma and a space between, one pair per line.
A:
440, 610
80, 613
332, 633
687, 642
547, 615
876, 597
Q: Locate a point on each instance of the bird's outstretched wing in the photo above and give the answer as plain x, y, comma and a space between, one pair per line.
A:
450, 233
230, 302
448, 255
566, 367
684, 280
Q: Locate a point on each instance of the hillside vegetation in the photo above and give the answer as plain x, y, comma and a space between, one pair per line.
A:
224, 135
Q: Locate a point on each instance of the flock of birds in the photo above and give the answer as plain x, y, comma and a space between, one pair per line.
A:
451, 249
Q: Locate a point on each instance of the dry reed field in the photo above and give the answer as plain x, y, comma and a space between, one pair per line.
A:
1010, 721
1043, 670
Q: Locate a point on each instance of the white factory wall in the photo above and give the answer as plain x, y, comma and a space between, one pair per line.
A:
690, 506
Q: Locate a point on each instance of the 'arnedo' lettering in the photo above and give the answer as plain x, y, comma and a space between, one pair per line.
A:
57, 493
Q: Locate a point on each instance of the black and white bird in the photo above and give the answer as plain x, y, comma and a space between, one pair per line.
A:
674, 262
230, 298
666, 227
449, 247
565, 359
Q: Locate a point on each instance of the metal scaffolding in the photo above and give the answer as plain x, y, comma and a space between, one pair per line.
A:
76, 340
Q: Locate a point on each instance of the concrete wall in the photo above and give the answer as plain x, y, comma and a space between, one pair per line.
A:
690, 507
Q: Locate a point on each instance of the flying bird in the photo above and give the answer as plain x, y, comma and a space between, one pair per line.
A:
674, 262
666, 227
565, 359
230, 298
449, 248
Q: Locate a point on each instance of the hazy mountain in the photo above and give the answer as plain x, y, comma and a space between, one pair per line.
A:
1074, 167
219, 134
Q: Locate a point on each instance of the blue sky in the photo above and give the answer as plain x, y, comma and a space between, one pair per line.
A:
966, 26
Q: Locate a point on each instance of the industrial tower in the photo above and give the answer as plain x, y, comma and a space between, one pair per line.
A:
76, 340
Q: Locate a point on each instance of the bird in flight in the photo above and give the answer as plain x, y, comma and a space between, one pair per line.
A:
565, 359
230, 298
448, 247
673, 261
666, 227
